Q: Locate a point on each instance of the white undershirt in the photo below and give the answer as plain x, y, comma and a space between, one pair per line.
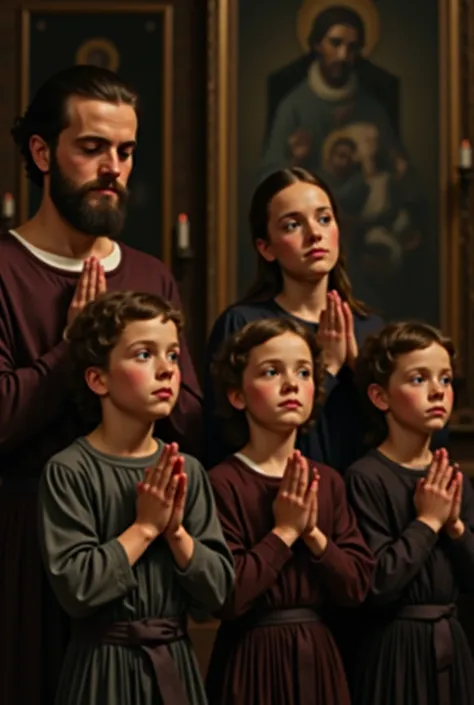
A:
252, 465
70, 264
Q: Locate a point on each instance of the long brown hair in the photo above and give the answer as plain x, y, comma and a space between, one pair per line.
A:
269, 282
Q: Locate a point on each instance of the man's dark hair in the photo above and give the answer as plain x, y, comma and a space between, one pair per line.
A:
332, 16
47, 114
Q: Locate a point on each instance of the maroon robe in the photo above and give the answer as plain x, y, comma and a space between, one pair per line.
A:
37, 419
288, 664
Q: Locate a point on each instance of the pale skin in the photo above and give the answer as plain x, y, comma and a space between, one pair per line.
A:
278, 373
303, 237
417, 402
98, 142
140, 386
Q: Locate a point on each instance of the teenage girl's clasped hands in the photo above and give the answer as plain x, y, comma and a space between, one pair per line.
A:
336, 335
438, 496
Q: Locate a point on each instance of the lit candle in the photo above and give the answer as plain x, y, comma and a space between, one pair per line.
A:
8, 206
465, 155
183, 232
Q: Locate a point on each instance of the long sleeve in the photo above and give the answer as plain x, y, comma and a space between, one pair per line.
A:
461, 551
209, 577
185, 424
399, 559
216, 447
30, 397
256, 568
346, 566
83, 573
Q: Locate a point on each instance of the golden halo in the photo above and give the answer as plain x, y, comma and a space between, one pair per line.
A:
91, 49
310, 9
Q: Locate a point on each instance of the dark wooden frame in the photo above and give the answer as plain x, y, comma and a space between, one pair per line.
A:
52, 8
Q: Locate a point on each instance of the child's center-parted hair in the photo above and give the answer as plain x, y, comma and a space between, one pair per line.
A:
95, 332
232, 359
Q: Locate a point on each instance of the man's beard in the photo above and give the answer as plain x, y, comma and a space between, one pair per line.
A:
104, 217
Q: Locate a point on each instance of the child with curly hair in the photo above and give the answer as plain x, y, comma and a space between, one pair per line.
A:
129, 533
295, 542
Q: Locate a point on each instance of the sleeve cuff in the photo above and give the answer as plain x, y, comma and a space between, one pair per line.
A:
124, 573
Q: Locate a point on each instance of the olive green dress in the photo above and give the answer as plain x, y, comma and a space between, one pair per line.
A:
87, 499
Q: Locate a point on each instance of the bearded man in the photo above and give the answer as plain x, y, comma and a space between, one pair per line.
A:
77, 139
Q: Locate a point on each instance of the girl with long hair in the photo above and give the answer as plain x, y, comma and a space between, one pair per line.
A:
302, 276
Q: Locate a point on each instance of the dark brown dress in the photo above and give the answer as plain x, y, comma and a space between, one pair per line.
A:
38, 418
399, 658
290, 664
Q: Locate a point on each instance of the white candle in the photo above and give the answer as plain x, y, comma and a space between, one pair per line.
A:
8, 206
183, 232
465, 155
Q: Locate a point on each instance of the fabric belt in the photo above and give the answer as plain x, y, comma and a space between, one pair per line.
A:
297, 615
439, 616
151, 636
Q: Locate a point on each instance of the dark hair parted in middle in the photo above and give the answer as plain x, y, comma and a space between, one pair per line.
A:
95, 332
232, 359
269, 282
378, 358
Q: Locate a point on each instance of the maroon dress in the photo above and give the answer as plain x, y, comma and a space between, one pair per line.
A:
290, 663
413, 649
37, 419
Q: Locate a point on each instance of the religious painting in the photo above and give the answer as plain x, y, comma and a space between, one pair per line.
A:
364, 93
134, 40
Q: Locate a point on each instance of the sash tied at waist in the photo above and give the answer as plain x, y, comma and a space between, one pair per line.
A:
151, 636
295, 615
439, 616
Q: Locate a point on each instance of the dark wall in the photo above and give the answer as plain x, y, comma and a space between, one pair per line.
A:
189, 124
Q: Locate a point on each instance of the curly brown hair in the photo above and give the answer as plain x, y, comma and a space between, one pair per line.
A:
378, 358
231, 361
95, 332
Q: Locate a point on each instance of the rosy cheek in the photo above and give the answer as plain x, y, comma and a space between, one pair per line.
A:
333, 238
287, 248
307, 391
258, 397
132, 376
449, 395
408, 396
